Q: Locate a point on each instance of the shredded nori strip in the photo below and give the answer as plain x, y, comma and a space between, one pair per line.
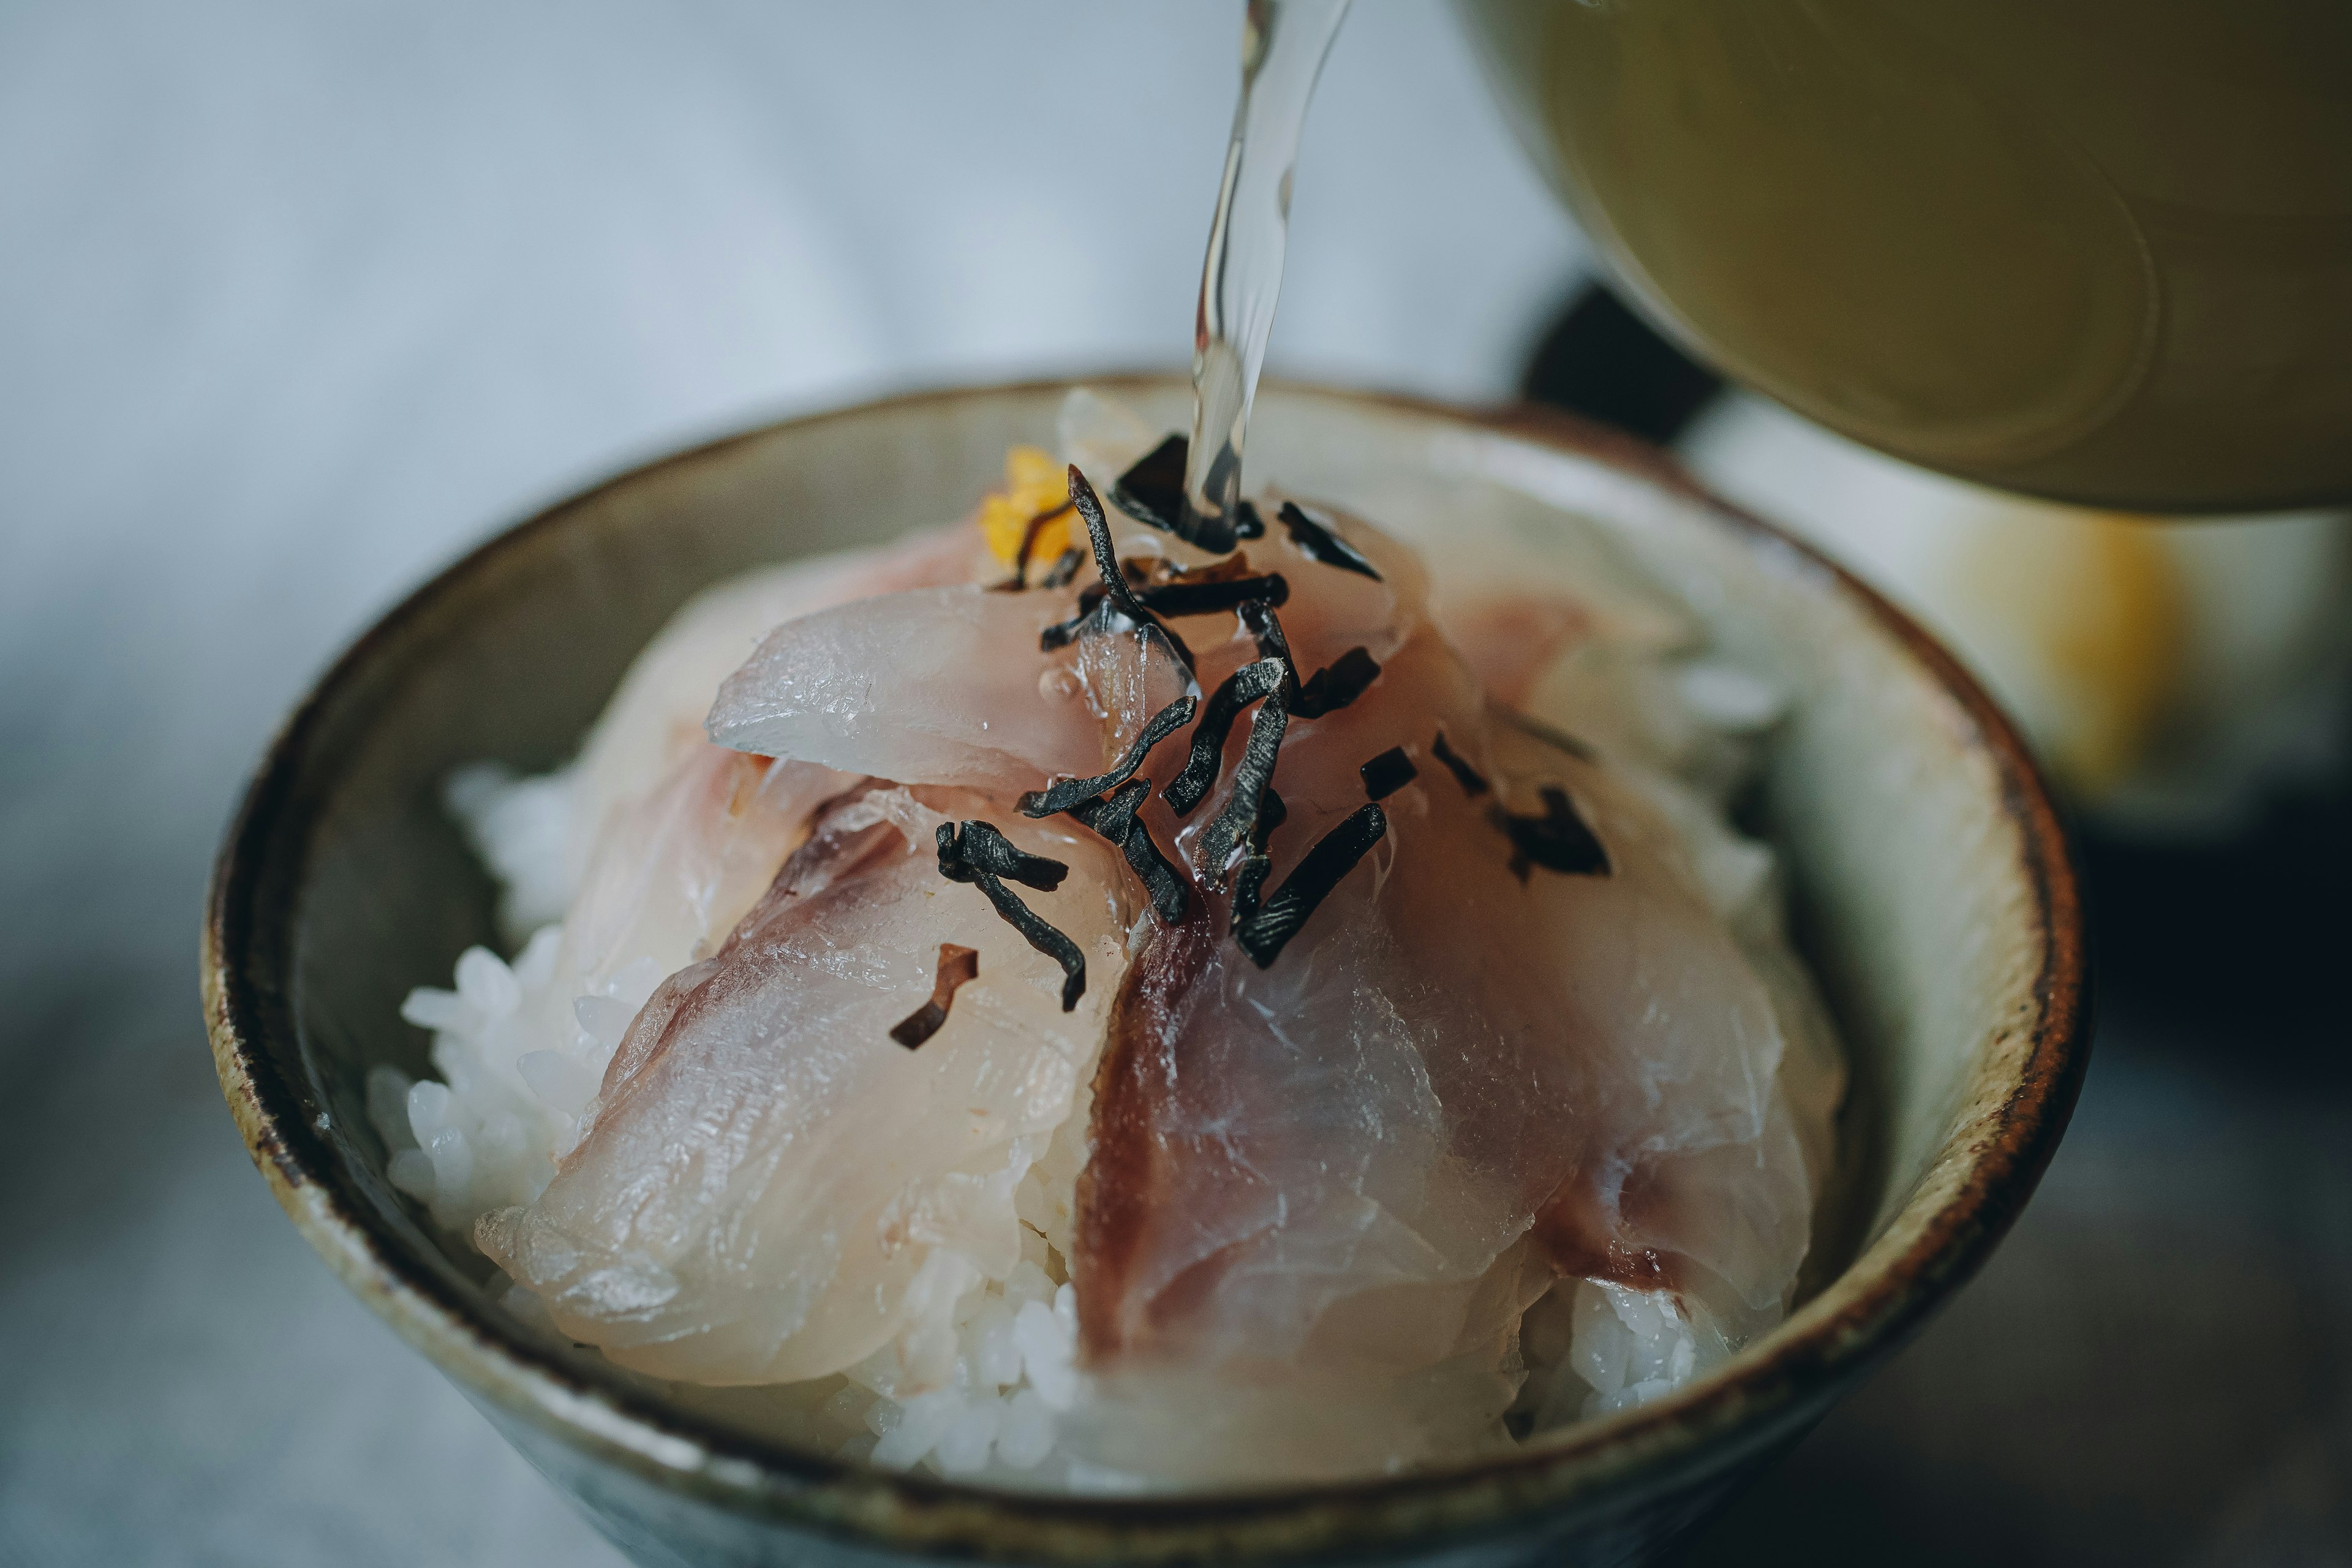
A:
1249, 877
1194, 594
1116, 591
1114, 817
1153, 492
1266, 928
1245, 685
1329, 689
1107, 566
1271, 814
1317, 542
1336, 684
979, 847
1558, 740
1238, 822
1029, 531
1065, 569
957, 964
1207, 598
1062, 634
1473, 782
1070, 792
1558, 840
1154, 489
977, 853
1387, 774
1265, 627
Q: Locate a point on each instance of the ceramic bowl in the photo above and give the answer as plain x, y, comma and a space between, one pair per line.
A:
1930, 881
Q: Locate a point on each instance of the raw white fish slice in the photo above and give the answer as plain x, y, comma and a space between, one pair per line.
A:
679, 866
655, 713
1329, 1166
945, 687
769, 1186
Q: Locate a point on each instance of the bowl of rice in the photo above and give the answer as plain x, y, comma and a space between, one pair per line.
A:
444, 1087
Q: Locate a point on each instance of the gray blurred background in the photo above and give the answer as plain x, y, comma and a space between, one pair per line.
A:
298, 300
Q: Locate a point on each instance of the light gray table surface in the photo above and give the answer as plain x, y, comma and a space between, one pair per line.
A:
297, 300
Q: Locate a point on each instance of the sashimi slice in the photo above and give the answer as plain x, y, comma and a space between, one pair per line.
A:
1326, 1166
524, 1047
946, 687
655, 713
769, 1186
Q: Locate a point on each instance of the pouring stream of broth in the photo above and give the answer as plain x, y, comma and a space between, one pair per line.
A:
1284, 43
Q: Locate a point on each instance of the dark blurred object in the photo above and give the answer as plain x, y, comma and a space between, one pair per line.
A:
2244, 944
1601, 360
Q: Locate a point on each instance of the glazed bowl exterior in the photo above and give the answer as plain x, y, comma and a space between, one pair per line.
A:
1930, 877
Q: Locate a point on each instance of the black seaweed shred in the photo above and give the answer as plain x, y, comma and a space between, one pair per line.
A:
1337, 684
1070, 792
1107, 565
1065, 569
1266, 927
1114, 817
1249, 877
1264, 627
1250, 683
1272, 682
1317, 542
1117, 594
1179, 599
1152, 490
1387, 774
1272, 813
1062, 634
1029, 531
1473, 782
1536, 729
1207, 598
979, 847
1236, 843
975, 852
1559, 840
1329, 689
1237, 822
957, 965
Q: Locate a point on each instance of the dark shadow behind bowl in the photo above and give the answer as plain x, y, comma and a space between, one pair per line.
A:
1930, 879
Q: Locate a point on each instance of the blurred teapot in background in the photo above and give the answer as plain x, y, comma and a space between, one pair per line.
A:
2098, 251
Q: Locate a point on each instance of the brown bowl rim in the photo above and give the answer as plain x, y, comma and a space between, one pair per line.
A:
1764, 1398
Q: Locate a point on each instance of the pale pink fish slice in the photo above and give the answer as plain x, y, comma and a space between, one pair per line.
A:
768, 1174
655, 713
677, 868
938, 685
1322, 1163
666, 879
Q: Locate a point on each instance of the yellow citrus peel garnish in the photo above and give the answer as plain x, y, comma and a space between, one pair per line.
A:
1033, 485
